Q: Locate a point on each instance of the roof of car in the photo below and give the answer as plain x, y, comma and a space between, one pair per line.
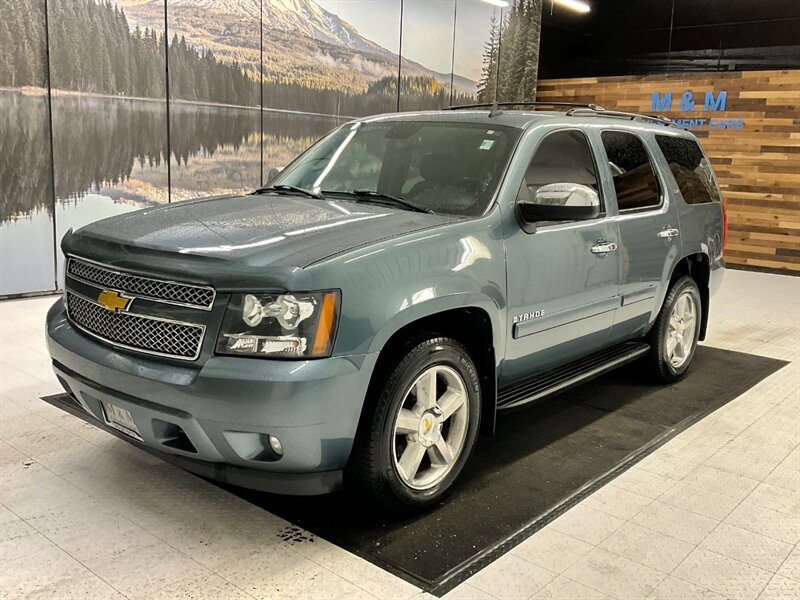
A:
522, 119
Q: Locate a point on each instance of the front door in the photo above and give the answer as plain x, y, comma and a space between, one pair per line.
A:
562, 277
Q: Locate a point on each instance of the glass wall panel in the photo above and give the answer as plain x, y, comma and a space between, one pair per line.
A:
427, 50
26, 195
109, 114
214, 63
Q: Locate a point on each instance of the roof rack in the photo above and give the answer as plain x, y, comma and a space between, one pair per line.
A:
617, 114
575, 110
494, 106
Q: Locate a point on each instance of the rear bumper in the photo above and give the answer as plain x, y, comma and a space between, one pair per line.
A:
215, 420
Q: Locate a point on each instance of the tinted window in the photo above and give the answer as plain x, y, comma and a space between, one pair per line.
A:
634, 178
562, 157
691, 169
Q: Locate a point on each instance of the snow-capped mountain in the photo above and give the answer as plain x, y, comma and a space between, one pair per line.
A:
302, 40
297, 16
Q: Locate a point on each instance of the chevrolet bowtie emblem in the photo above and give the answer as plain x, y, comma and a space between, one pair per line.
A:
114, 301
427, 424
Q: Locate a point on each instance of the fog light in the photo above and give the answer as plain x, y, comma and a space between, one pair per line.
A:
276, 445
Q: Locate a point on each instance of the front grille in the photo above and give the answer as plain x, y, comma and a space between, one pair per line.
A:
171, 292
136, 332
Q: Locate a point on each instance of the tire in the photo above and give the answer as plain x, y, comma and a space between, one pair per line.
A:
673, 337
403, 425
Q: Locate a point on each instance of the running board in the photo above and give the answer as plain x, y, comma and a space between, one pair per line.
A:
572, 374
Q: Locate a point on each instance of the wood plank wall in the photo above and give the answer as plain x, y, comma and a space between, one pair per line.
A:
758, 166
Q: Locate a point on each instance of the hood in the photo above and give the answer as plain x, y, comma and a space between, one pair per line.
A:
255, 230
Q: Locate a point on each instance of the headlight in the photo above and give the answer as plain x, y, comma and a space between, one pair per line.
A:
279, 325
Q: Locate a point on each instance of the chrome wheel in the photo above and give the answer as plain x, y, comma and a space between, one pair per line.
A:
681, 329
431, 427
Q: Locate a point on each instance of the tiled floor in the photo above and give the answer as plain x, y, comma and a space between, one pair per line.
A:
715, 513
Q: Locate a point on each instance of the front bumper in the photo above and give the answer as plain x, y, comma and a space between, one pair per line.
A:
214, 420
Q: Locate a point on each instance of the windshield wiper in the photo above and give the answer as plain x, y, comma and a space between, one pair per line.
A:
385, 197
283, 188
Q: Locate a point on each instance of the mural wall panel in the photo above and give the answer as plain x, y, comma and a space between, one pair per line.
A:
214, 63
109, 110
427, 68
26, 212
334, 57
475, 21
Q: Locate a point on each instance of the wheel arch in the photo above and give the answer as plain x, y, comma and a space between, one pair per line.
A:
471, 326
698, 267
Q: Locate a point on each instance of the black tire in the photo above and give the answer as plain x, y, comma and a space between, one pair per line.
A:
659, 367
371, 473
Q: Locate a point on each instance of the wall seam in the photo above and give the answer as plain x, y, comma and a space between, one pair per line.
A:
169, 120
50, 133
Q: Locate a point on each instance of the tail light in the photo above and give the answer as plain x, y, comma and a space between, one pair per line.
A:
724, 226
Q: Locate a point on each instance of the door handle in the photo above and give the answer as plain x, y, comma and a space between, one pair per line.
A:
604, 247
669, 232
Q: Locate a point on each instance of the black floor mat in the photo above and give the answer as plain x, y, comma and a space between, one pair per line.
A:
542, 460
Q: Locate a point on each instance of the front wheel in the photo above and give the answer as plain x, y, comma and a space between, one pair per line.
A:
673, 338
420, 430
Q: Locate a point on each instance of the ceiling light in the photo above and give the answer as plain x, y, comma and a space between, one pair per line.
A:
576, 5
500, 3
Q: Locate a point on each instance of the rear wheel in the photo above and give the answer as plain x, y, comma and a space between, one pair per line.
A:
420, 430
673, 338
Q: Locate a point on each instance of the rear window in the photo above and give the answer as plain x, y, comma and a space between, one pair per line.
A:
690, 168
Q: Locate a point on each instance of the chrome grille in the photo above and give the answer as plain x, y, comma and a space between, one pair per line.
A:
136, 332
171, 292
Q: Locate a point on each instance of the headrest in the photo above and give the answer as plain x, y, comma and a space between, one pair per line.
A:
438, 167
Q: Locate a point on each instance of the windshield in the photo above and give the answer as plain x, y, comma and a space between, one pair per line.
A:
451, 168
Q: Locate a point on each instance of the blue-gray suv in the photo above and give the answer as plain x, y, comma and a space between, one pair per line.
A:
363, 317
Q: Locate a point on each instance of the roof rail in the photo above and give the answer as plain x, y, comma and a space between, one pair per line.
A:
494, 106
601, 112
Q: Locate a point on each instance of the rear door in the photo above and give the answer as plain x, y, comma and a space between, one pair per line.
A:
562, 277
649, 230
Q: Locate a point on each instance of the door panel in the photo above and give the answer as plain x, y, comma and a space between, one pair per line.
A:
562, 295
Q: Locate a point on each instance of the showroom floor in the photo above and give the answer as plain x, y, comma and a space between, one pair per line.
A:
715, 513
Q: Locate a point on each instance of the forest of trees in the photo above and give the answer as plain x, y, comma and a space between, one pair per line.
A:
511, 55
93, 50
23, 60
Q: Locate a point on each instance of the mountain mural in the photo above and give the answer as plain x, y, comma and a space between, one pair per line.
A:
304, 44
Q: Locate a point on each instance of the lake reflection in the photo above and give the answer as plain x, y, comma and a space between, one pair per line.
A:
110, 157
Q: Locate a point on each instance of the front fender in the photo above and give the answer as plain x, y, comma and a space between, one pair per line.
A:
392, 283
438, 304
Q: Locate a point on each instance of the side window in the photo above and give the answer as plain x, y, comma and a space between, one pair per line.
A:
563, 157
690, 168
634, 176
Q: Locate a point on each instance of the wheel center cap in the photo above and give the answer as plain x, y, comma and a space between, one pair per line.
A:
430, 427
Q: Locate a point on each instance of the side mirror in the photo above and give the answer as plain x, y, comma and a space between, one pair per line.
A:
560, 202
273, 173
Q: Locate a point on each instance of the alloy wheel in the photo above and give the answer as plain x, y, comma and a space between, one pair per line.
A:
430, 427
681, 329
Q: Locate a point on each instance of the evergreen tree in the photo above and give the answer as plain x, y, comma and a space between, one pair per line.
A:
512, 70
488, 81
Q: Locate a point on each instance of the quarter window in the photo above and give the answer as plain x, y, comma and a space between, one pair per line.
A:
690, 168
634, 177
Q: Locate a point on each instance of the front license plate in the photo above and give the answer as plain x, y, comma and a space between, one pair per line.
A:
120, 419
